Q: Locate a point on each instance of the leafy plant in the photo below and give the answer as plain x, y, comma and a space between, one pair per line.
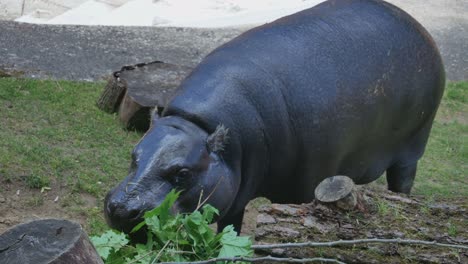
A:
180, 237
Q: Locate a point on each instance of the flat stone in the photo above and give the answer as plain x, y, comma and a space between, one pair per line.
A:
263, 219
286, 232
309, 221
285, 209
278, 252
276, 231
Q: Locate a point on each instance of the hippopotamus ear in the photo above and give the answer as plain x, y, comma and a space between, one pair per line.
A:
218, 139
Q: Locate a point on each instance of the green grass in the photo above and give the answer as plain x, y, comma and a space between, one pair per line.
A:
443, 169
53, 132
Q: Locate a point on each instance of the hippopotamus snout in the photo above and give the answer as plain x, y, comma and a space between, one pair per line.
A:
121, 212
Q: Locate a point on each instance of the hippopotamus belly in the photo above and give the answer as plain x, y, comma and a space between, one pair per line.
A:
349, 87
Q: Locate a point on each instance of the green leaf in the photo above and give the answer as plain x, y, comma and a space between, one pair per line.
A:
153, 223
163, 211
108, 242
208, 212
138, 227
233, 245
143, 256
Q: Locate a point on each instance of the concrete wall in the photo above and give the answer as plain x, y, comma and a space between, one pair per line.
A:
11, 9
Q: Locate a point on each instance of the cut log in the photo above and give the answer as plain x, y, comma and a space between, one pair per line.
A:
339, 190
135, 90
112, 95
47, 241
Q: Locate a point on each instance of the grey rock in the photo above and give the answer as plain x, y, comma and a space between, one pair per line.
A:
286, 232
311, 222
285, 209
263, 219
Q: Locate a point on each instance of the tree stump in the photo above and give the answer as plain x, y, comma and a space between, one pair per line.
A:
339, 190
47, 241
136, 90
112, 95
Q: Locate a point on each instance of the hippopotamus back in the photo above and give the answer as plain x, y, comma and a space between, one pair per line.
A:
340, 88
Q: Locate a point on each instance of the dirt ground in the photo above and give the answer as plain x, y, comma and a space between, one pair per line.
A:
386, 216
381, 214
19, 204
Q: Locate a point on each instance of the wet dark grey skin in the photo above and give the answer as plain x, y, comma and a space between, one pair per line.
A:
349, 87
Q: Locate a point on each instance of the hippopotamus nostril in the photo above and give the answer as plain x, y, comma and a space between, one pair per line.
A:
121, 211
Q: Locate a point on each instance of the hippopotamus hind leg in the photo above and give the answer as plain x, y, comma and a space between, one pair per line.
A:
400, 175
400, 178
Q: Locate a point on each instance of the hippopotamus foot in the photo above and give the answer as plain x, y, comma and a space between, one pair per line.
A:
231, 219
400, 178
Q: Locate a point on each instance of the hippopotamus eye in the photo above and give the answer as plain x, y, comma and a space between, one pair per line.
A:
184, 173
182, 177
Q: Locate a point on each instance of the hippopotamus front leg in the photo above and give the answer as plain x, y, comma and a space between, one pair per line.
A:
234, 219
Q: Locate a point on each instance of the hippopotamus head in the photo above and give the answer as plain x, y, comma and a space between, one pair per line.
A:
174, 154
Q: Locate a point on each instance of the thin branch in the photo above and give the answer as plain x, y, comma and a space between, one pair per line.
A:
140, 258
209, 195
199, 199
358, 241
267, 258
161, 251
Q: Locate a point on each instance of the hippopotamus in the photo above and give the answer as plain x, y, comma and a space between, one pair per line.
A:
348, 87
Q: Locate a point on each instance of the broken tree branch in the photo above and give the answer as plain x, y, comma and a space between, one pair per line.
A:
259, 259
359, 241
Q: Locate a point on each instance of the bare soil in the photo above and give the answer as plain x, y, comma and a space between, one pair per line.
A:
19, 204
386, 215
381, 214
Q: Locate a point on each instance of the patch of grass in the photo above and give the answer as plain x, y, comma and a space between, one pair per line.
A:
443, 169
457, 92
382, 207
452, 230
35, 200
37, 181
52, 132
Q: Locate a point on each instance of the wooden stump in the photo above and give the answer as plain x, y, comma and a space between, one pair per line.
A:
338, 190
47, 241
136, 90
111, 96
